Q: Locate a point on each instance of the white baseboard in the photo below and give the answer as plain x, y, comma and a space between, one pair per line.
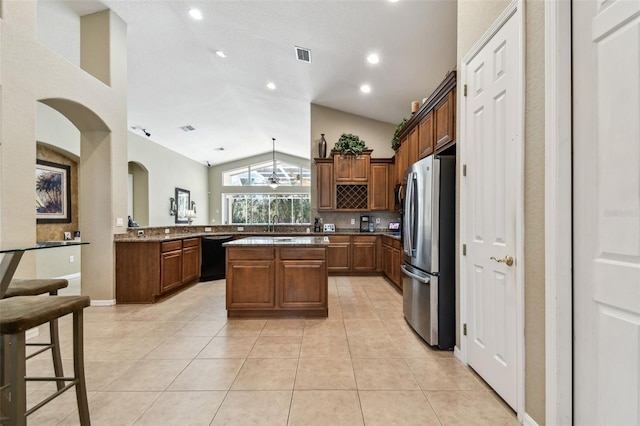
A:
111, 302
31, 333
70, 276
528, 421
458, 354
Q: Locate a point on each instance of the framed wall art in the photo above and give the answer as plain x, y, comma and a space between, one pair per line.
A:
53, 192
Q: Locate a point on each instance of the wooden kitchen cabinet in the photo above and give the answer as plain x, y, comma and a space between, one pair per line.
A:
190, 259
401, 159
351, 168
363, 252
325, 185
147, 271
339, 254
413, 146
276, 282
303, 279
426, 135
392, 259
170, 265
379, 187
444, 120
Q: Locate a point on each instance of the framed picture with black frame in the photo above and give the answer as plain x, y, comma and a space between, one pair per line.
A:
53, 192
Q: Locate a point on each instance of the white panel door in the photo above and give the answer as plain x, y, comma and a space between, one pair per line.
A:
606, 216
490, 196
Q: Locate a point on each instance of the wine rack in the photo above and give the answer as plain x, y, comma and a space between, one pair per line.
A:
352, 197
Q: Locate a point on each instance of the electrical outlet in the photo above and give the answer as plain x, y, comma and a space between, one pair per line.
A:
207, 229
377, 220
72, 259
140, 233
119, 221
240, 228
166, 230
353, 221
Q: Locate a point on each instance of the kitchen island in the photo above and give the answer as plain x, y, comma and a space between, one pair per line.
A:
277, 277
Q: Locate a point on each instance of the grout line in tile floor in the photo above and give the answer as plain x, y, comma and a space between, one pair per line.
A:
362, 365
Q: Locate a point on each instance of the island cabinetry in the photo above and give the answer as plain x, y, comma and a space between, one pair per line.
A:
303, 276
276, 281
251, 270
147, 271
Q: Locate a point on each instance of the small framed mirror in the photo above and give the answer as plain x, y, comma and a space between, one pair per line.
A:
183, 201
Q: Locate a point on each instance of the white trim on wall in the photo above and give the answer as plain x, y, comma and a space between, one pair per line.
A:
515, 9
103, 302
558, 222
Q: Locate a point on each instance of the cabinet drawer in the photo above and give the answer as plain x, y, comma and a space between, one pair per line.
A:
191, 242
302, 254
170, 246
339, 239
250, 254
364, 238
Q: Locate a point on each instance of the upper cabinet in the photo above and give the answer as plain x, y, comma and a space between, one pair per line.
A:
444, 120
354, 182
351, 168
431, 129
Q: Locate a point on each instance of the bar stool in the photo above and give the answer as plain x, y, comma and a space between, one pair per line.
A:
19, 314
36, 287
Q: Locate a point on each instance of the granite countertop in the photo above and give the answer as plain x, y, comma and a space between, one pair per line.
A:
279, 241
264, 235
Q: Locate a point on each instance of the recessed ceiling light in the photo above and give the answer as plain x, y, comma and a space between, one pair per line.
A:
221, 53
195, 14
365, 88
393, 1
373, 58
271, 85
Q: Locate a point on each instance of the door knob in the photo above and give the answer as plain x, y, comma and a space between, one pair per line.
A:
508, 260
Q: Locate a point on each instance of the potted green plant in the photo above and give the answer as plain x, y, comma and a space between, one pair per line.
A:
395, 141
349, 144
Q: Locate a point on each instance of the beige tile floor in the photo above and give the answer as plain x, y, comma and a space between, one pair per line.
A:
181, 362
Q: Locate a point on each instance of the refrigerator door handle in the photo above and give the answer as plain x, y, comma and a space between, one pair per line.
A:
424, 280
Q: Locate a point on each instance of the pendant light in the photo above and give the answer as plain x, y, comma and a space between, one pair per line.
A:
273, 178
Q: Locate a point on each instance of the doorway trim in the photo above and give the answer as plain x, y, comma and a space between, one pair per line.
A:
558, 215
516, 10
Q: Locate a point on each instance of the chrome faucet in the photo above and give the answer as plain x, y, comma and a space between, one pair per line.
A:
274, 219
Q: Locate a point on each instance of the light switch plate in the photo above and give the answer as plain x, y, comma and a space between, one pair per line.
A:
119, 221
353, 221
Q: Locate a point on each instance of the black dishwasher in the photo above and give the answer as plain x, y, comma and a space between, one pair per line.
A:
213, 257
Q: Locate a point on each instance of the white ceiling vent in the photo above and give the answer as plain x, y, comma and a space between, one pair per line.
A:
188, 128
303, 54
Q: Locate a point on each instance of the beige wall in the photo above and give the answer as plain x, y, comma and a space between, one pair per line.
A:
32, 73
474, 19
167, 170
333, 123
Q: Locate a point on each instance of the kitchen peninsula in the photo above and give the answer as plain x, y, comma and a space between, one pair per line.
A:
277, 277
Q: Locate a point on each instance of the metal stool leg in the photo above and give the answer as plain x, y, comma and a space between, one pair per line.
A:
78, 369
17, 371
55, 352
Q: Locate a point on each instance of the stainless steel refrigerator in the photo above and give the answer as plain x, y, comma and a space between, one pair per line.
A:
429, 250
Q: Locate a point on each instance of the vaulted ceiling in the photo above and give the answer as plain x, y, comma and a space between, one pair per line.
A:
176, 79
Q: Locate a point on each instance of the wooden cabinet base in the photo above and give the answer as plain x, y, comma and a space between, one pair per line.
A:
276, 282
280, 313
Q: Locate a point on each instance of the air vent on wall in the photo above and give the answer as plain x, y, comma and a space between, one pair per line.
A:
188, 128
303, 54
